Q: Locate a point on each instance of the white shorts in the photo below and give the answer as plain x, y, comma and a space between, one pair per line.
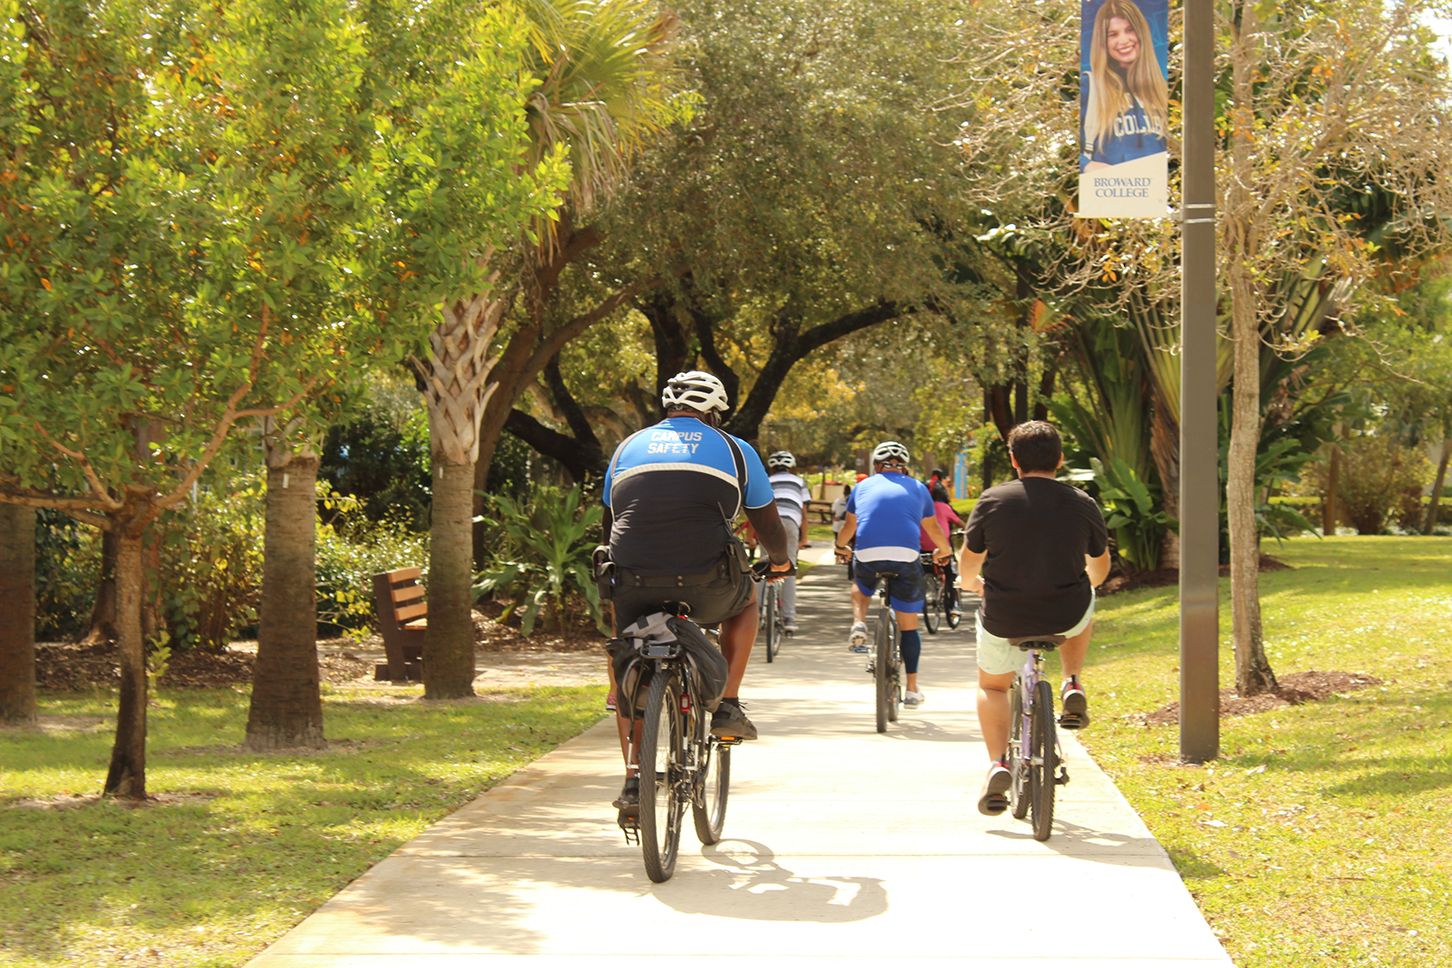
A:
997, 657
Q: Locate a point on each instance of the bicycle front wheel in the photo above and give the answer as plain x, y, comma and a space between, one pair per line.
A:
932, 598
1017, 759
661, 769
708, 810
1045, 762
882, 669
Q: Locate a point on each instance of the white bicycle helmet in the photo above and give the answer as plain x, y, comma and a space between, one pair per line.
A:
696, 390
782, 458
890, 450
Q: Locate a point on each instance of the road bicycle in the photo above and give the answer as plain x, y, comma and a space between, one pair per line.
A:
886, 667
940, 596
1035, 759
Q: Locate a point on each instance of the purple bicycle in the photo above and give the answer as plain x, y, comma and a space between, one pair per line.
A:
1034, 758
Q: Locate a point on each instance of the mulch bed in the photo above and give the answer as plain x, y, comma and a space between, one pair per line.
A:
1171, 576
70, 667
1294, 689
77, 668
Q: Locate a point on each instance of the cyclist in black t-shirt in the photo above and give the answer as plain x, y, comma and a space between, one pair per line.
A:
1035, 549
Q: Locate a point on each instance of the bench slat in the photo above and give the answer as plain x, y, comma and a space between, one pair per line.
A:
404, 574
408, 612
411, 593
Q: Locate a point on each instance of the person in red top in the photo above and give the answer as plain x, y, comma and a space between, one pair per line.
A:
947, 519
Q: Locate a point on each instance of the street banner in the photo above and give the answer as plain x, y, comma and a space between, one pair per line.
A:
1123, 108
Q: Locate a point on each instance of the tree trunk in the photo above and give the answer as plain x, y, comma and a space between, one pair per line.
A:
448, 652
1333, 484
127, 776
1438, 483
287, 705
17, 602
103, 611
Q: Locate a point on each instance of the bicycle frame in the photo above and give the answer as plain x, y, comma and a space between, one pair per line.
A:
1035, 774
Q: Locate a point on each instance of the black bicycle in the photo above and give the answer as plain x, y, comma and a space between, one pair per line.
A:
886, 665
681, 763
773, 626
1034, 758
940, 596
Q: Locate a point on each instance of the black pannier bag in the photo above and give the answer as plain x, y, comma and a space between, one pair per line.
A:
632, 670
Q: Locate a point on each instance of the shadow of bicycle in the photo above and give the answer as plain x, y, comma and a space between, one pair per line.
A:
750, 885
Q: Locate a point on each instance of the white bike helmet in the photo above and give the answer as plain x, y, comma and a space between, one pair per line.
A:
890, 450
782, 459
696, 390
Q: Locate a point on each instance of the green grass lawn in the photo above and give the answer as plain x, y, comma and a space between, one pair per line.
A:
1323, 833
238, 847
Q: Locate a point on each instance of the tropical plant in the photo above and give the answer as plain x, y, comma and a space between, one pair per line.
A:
545, 562
1133, 512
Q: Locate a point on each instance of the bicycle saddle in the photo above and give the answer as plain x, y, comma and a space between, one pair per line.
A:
1044, 643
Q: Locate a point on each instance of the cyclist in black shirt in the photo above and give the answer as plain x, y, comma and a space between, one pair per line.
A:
1035, 548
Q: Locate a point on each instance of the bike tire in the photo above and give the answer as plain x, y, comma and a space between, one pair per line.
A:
882, 669
1018, 798
771, 623
1045, 761
894, 669
949, 603
661, 809
932, 595
709, 813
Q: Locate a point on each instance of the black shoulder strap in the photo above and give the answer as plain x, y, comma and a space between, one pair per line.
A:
739, 459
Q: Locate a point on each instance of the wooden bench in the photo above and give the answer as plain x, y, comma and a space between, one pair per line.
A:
819, 512
403, 620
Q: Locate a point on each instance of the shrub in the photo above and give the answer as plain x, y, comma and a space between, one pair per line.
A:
67, 568
352, 548
1381, 483
545, 557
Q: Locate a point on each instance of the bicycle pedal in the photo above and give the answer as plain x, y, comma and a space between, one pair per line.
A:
728, 740
1062, 776
631, 828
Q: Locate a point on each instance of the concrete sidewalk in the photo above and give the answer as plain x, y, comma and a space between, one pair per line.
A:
840, 844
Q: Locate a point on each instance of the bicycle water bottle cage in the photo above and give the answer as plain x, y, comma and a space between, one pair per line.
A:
1040, 643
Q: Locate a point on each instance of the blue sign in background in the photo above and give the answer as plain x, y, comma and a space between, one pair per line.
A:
1157, 12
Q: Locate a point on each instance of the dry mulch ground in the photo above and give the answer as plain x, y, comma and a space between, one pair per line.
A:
70, 667
1120, 582
1294, 689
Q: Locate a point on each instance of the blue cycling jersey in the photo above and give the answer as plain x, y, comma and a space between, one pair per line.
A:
890, 508
672, 490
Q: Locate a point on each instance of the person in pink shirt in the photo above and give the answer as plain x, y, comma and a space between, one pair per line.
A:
947, 519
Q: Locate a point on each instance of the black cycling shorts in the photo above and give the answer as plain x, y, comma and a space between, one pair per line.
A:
713, 598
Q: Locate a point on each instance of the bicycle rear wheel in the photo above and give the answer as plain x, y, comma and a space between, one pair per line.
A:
882, 668
773, 617
932, 597
949, 602
894, 669
1018, 759
661, 768
709, 810
1045, 762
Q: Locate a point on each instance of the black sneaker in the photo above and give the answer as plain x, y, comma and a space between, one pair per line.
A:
729, 721
1075, 713
994, 799
628, 803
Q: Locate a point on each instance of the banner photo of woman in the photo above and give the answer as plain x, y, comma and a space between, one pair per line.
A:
1123, 109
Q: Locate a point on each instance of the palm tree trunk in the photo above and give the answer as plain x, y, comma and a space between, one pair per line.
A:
17, 598
1437, 484
287, 706
448, 652
126, 777
458, 382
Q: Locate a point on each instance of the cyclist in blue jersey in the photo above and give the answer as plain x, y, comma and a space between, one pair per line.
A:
671, 492
885, 513
792, 495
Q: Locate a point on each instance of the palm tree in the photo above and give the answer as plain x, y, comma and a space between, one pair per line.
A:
603, 87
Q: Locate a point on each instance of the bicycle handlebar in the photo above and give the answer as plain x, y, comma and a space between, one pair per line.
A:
762, 569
